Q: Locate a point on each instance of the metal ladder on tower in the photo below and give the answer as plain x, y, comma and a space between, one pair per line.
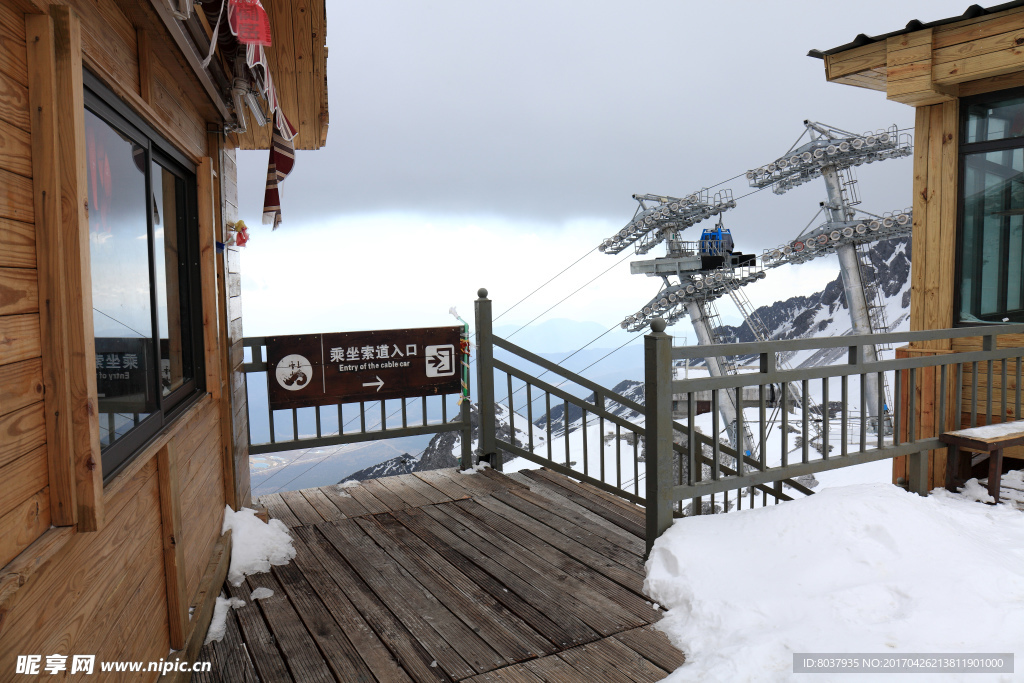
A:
760, 330
877, 316
714, 321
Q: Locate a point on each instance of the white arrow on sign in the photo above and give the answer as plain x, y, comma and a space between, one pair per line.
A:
379, 383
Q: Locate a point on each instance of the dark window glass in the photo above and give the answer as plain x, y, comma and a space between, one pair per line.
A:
121, 296
143, 250
993, 236
172, 294
995, 120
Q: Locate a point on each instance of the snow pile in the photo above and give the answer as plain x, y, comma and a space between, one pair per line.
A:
479, 467
255, 546
219, 624
867, 568
261, 593
974, 491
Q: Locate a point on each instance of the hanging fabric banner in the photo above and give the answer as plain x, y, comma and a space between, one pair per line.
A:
282, 159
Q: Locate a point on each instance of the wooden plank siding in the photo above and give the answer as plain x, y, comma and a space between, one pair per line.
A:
937, 64
298, 61
147, 548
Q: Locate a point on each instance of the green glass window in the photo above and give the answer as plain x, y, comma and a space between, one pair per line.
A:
991, 236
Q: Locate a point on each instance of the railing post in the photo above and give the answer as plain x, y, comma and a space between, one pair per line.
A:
485, 379
917, 473
658, 376
466, 461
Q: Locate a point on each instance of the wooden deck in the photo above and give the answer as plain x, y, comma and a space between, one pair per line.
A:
441, 576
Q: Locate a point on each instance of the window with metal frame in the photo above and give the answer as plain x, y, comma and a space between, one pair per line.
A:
990, 249
144, 258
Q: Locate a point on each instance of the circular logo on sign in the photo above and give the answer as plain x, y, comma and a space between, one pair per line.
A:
294, 372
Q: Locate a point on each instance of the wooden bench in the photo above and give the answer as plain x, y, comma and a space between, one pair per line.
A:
989, 439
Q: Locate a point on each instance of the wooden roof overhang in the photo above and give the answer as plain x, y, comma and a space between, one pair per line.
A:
298, 65
981, 51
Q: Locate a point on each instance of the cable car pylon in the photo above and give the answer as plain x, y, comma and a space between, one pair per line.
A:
710, 268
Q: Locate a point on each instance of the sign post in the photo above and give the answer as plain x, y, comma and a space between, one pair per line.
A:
345, 367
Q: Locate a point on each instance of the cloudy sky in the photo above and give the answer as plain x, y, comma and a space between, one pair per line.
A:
484, 144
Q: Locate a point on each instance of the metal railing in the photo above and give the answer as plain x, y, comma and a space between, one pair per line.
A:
620, 469
372, 420
938, 378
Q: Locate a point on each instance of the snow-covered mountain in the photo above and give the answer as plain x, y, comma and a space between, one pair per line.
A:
445, 449
630, 389
824, 313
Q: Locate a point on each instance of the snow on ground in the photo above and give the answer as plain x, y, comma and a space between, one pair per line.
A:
219, 623
856, 569
255, 546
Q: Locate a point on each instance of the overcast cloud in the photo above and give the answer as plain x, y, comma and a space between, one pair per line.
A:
537, 114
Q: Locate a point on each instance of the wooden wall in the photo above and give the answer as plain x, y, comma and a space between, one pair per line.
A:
933, 280
237, 388
121, 584
24, 494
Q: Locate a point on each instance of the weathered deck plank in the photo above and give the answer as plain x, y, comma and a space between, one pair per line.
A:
590, 502
529, 569
365, 498
493, 627
261, 645
300, 651
301, 508
374, 653
348, 505
457, 649
323, 505
441, 577
278, 509
445, 482
547, 497
414, 659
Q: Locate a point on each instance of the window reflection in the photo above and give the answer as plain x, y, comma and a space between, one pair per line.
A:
119, 253
995, 120
172, 292
992, 273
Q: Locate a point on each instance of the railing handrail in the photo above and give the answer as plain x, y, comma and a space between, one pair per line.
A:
551, 366
702, 439
782, 345
747, 379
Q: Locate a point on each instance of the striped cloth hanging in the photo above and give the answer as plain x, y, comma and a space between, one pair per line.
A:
282, 158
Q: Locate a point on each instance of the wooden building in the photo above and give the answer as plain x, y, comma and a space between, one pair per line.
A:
122, 404
965, 78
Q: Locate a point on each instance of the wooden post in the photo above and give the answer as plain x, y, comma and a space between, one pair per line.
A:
53, 309
485, 379
658, 408
174, 548
74, 217
208, 276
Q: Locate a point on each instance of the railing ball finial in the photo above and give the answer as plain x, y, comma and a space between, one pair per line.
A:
482, 293
658, 325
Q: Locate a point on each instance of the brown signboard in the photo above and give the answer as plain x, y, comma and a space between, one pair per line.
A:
342, 367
